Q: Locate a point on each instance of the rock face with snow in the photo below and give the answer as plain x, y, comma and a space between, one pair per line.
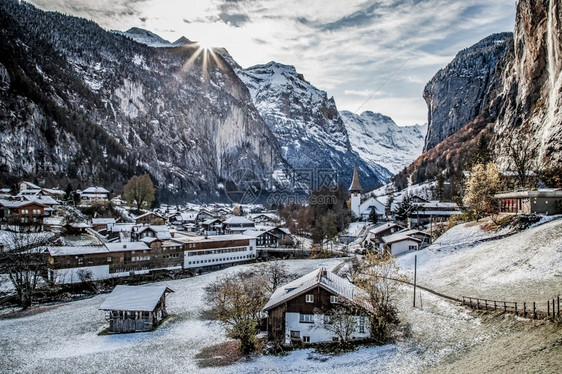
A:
461, 90
151, 39
82, 104
381, 142
306, 123
531, 94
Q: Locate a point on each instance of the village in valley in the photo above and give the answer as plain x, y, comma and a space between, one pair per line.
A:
301, 291
171, 202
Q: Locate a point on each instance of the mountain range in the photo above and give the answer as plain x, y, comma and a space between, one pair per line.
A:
83, 105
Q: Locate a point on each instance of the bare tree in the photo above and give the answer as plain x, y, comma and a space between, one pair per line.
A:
22, 257
522, 155
342, 321
237, 300
275, 273
377, 280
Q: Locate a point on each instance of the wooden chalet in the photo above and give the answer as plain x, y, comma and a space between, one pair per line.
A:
298, 310
147, 218
135, 308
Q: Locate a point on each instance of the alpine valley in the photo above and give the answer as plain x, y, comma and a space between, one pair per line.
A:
79, 103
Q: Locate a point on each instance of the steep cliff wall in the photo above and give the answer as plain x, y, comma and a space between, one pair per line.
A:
80, 103
461, 90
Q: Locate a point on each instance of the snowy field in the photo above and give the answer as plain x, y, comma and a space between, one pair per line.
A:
523, 267
443, 337
64, 339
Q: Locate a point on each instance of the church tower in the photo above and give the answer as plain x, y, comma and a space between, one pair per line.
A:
355, 190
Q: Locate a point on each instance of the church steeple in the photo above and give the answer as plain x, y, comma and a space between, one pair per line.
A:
355, 185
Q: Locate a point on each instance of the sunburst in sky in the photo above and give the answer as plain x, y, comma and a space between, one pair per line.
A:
369, 54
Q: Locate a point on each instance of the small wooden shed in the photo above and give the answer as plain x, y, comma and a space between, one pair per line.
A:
135, 308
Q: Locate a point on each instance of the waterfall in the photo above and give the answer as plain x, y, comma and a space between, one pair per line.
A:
554, 76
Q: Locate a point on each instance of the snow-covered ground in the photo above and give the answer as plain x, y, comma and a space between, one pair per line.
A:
64, 338
526, 266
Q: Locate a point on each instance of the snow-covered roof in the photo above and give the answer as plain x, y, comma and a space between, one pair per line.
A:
121, 227
102, 221
134, 298
254, 233
128, 246
30, 185
76, 250
47, 200
147, 214
383, 227
399, 237
95, 190
319, 277
237, 220
18, 204
210, 221
212, 238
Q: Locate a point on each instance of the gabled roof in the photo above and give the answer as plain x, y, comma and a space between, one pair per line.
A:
76, 250
126, 246
237, 220
95, 190
319, 277
399, 237
148, 214
383, 227
134, 298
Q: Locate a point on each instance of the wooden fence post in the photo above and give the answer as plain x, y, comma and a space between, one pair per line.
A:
548, 308
478, 304
504, 307
524, 309
534, 311
558, 306
516, 308
495, 305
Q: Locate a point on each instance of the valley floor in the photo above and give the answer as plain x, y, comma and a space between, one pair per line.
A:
443, 337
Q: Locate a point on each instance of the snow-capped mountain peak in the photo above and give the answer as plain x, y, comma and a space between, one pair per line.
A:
380, 141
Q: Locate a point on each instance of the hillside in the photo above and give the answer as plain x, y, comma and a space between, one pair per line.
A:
80, 104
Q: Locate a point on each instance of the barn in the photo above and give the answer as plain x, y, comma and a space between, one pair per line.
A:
135, 308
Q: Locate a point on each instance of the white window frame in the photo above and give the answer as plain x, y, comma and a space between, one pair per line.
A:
309, 298
334, 299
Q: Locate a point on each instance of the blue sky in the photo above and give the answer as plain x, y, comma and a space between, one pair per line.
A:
370, 55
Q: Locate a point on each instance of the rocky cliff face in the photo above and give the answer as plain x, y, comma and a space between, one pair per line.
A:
79, 103
381, 142
461, 90
531, 94
306, 123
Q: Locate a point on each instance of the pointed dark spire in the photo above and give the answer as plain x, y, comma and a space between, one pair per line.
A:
355, 185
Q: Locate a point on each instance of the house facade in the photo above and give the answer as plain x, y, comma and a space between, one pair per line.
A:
542, 201
301, 310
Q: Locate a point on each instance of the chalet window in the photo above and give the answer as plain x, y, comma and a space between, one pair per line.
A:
306, 318
306, 339
109, 259
309, 298
334, 299
361, 324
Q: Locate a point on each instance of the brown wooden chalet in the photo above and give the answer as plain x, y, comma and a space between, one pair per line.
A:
296, 310
135, 308
148, 218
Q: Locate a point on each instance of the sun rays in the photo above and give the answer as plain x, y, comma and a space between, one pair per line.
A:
205, 57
